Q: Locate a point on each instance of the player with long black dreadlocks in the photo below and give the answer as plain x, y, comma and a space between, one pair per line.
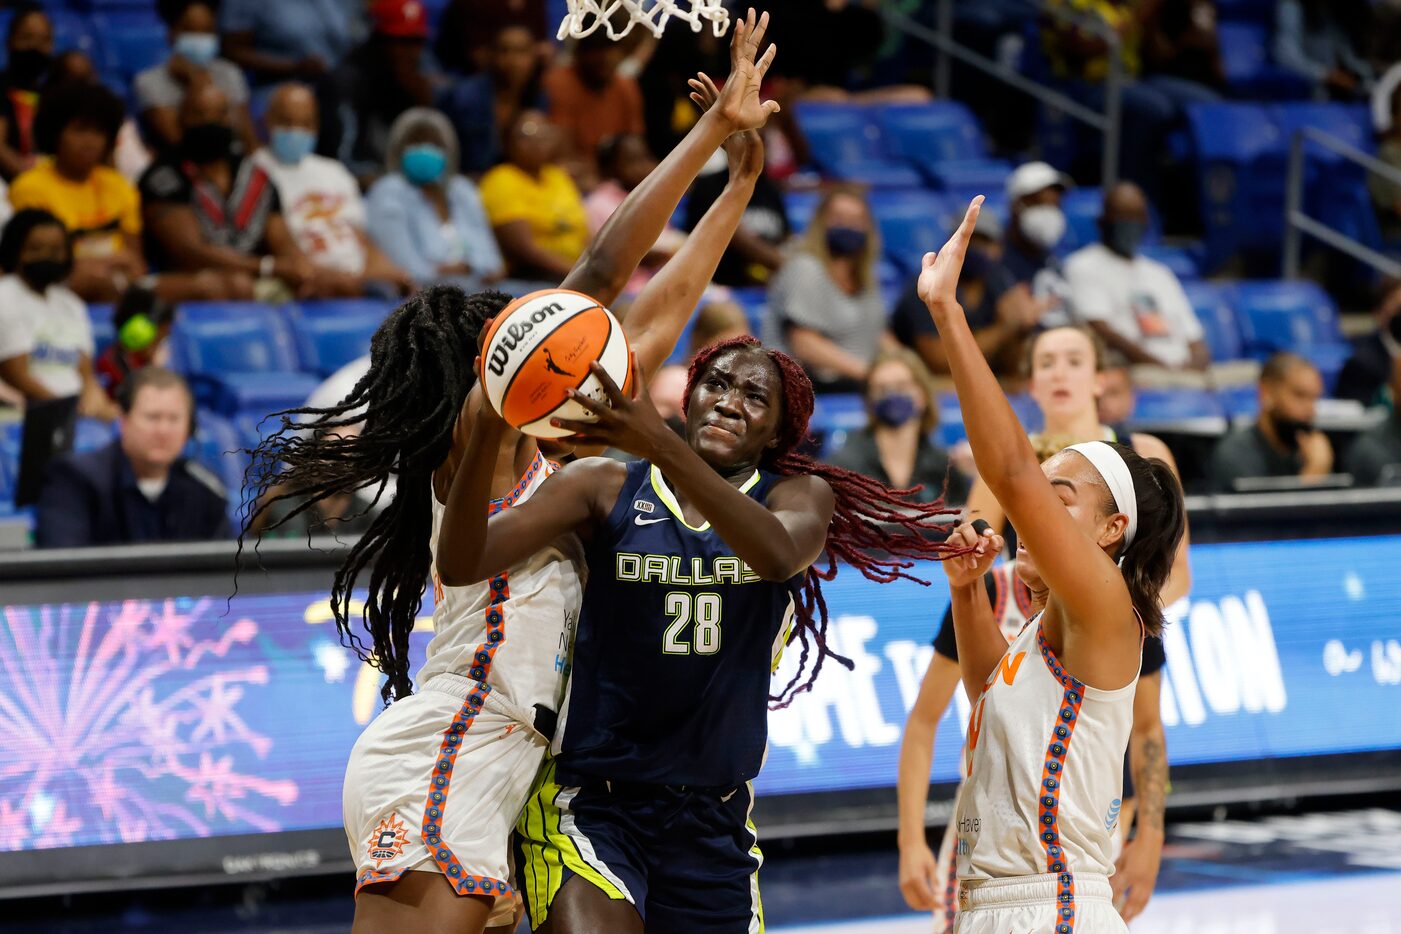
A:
701, 559
435, 783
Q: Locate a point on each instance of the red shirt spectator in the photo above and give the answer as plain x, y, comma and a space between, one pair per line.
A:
589, 100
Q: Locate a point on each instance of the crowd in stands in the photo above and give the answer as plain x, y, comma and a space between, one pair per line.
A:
323, 150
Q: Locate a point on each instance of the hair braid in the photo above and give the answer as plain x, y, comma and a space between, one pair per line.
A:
878, 530
421, 370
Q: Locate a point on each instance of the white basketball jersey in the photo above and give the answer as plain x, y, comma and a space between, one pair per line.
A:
1045, 761
513, 632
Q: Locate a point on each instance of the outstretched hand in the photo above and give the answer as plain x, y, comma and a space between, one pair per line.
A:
628, 423
938, 279
739, 104
745, 148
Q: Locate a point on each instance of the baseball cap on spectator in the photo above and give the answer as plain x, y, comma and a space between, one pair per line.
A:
1032, 177
400, 19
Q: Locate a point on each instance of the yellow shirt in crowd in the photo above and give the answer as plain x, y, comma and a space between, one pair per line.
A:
551, 205
96, 212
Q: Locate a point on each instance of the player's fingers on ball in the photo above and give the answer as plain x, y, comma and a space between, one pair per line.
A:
593, 405
610, 388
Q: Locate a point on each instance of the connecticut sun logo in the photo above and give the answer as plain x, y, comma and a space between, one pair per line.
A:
388, 840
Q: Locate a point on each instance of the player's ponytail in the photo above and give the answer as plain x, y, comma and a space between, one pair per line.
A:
877, 530
405, 409
1162, 518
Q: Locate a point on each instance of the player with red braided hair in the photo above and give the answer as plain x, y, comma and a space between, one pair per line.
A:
700, 559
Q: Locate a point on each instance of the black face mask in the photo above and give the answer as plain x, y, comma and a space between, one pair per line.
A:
1288, 429
27, 68
42, 273
207, 142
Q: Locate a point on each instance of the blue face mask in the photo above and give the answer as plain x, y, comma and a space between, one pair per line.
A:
291, 145
845, 241
197, 48
894, 410
423, 163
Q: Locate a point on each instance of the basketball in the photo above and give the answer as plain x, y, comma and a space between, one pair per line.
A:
540, 347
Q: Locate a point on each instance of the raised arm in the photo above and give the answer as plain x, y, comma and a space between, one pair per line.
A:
611, 257
1084, 581
656, 319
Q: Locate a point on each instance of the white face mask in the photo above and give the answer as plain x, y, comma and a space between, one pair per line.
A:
1042, 224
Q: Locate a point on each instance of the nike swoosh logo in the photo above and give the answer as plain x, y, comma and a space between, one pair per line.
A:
641, 521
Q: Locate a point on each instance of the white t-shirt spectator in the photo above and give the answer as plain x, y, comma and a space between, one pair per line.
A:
1139, 298
323, 208
53, 329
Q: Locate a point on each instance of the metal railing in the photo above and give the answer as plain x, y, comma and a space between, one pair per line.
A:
1297, 223
1107, 122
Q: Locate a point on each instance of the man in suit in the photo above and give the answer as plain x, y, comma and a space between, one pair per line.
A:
139, 488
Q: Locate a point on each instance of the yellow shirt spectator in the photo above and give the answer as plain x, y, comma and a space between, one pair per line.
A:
98, 212
1077, 52
550, 204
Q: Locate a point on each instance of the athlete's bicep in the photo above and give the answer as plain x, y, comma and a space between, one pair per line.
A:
935, 691
803, 506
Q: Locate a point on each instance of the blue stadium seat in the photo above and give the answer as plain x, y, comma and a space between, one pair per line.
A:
950, 430
1181, 260
845, 143
131, 42
330, 334
103, 333
943, 140
984, 175
1335, 189
1240, 401
834, 415
89, 434
1285, 315
1028, 413
755, 302
1174, 405
70, 32
218, 446
1212, 303
800, 207
256, 394
215, 338
1250, 73
1241, 166
911, 224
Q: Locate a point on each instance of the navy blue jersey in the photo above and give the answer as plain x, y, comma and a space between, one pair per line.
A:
676, 644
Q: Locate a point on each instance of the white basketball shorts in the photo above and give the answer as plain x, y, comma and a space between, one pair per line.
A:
435, 784
1065, 903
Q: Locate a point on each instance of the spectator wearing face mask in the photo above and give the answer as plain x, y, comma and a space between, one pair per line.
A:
208, 208
825, 304
1134, 303
1001, 312
1283, 441
140, 488
321, 201
534, 205
427, 218
895, 446
194, 56
29, 46
46, 343
1034, 192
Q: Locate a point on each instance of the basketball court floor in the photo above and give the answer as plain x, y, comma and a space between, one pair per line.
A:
1325, 873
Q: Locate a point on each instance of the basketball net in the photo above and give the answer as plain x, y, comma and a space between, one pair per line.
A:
588, 16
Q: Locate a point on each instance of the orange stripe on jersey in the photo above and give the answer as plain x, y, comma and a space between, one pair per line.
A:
1052, 776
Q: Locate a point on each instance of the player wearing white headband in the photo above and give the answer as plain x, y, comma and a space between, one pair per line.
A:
1053, 710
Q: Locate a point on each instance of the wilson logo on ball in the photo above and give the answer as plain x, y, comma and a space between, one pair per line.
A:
541, 347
